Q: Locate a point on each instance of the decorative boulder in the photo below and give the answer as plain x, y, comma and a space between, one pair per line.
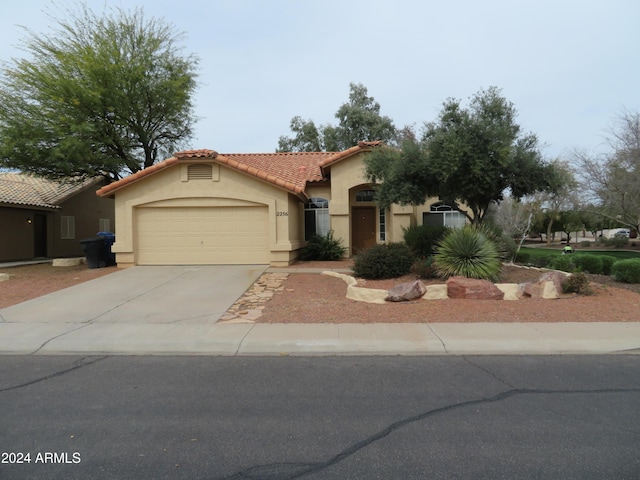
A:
556, 277
473, 289
548, 286
404, 292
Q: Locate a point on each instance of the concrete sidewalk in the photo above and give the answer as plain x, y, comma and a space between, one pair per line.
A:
318, 339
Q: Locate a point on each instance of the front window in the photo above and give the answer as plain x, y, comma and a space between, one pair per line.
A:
442, 215
316, 217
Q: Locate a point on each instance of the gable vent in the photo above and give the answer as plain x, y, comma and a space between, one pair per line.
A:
199, 171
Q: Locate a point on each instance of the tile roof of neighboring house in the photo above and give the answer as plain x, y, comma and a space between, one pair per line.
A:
291, 171
28, 190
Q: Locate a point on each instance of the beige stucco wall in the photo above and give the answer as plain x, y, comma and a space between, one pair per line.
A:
347, 178
170, 187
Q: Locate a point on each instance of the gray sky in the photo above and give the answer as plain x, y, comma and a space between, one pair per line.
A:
569, 66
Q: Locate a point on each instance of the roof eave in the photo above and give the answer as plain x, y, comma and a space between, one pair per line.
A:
361, 147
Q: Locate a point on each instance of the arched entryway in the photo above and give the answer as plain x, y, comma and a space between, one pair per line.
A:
367, 220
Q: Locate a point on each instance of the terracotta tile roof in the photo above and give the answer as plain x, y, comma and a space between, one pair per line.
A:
29, 190
336, 157
291, 171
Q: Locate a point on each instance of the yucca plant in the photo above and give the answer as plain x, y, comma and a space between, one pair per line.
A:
471, 252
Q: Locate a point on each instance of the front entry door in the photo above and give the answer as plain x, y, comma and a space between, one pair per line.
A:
39, 235
363, 228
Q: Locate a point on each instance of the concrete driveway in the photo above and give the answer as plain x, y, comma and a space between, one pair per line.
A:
158, 294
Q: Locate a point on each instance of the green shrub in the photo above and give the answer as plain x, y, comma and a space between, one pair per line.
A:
577, 283
542, 262
383, 261
523, 258
509, 247
564, 263
627, 271
323, 247
616, 242
588, 263
424, 268
422, 238
469, 251
607, 263
585, 243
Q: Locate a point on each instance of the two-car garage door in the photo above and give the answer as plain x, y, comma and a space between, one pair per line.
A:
202, 235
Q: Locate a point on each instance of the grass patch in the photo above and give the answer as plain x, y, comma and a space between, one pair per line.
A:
541, 252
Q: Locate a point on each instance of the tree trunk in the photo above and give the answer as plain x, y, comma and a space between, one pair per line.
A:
549, 232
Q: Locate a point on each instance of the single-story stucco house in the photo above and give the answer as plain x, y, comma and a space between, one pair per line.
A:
42, 218
202, 207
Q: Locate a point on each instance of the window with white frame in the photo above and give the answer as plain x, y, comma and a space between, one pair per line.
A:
67, 227
442, 215
316, 217
383, 225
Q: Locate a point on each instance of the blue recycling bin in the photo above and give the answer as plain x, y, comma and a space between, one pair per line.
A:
109, 239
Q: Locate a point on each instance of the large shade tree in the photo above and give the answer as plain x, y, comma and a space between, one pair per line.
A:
359, 120
108, 93
469, 156
612, 180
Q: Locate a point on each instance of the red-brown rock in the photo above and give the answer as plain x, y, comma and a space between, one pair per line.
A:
406, 291
473, 289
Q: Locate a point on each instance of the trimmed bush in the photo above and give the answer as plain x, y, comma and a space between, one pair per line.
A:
323, 247
424, 268
588, 263
616, 242
564, 263
470, 252
627, 271
585, 243
607, 263
389, 260
577, 283
422, 238
542, 262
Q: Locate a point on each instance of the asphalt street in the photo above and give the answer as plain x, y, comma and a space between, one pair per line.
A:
461, 417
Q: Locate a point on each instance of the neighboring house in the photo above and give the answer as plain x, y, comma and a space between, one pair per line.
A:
202, 207
42, 218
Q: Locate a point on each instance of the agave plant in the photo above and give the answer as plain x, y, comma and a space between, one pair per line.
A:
471, 252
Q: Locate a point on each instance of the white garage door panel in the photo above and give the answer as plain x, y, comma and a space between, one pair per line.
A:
200, 236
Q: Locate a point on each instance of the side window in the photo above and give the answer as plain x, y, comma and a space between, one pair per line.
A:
316, 217
67, 228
